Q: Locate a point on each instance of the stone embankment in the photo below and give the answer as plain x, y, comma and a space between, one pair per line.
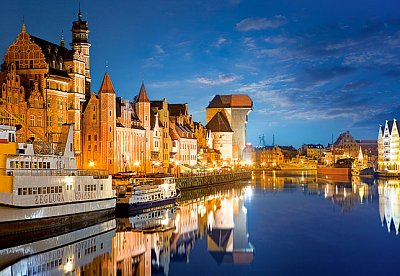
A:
196, 181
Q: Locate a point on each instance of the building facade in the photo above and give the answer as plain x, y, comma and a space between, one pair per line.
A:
44, 85
389, 147
236, 109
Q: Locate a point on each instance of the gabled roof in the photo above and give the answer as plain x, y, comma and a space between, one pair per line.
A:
142, 97
219, 123
106, 85
177, 109
229, 101
158, 104
51, 50
390, 126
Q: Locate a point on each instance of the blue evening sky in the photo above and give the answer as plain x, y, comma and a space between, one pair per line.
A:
313, 68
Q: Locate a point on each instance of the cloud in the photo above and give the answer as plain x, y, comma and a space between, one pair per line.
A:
261, 23
159, 49
280, 39
222, 79
152, 62
220, 41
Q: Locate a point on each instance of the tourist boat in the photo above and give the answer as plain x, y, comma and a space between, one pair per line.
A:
59, 253
41, 187
147, 192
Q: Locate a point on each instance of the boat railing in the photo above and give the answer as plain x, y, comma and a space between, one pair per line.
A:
99, 174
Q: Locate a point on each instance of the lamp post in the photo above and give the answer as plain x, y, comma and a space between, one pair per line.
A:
137, 163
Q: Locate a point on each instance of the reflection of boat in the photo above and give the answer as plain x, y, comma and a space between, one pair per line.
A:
158, 218
149, 192
41, 185
59, 254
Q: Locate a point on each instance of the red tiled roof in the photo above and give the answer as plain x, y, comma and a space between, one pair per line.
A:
106, 85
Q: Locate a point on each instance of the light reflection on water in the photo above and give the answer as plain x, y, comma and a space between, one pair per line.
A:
218, 230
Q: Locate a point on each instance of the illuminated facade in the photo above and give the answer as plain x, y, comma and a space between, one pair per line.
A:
389, 147
235, 108
270, 156
184, 142
113, 136
45, 85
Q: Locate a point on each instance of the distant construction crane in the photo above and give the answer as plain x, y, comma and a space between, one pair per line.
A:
261, 141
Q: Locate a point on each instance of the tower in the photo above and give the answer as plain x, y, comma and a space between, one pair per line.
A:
80, 43
142, 108
107, 107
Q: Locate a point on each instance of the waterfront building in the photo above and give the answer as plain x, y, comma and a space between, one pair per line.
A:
222, 135
234, 109
347, 144
314, 151
113, 136
269, 156
142, 108
160, 108
184, 142
44, 85
389, 147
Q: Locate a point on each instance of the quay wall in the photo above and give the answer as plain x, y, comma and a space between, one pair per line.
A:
211, 179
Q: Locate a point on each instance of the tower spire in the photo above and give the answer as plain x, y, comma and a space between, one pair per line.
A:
62, 43
79, 12
23, 25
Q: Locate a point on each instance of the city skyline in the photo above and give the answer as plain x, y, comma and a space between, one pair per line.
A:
312, 71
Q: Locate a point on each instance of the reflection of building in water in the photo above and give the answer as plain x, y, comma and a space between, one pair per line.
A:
184, 236
228, 237
130, 256
273, 181
389, 203
77, 252
145, 252
160, 251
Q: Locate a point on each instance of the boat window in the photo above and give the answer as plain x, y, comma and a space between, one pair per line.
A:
101, 187
16, 164
12, 164
34, 190
29, 191
39, 190
19, 191
24, 191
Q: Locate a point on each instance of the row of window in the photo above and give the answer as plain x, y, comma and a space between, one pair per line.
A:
91, 188
29, 165
90, 137
40, 190
49, 266
90, 147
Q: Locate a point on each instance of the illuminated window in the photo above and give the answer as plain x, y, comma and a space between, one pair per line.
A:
32, 120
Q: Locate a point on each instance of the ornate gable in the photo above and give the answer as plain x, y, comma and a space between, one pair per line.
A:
24, 53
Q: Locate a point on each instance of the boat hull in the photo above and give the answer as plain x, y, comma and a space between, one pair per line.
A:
14, 220
138, 207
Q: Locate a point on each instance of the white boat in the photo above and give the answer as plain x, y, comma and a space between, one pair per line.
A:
46, 189
147, 192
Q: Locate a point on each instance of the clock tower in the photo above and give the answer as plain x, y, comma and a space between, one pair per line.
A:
80, 43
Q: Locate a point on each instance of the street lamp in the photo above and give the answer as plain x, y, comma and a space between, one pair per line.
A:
137, 163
